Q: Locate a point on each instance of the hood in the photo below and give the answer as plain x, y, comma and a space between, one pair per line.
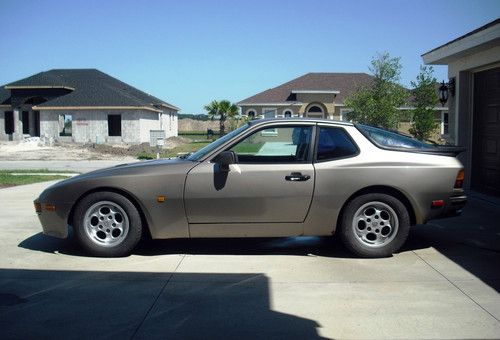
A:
128, 168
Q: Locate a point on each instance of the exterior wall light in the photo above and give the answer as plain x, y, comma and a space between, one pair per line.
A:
445, 90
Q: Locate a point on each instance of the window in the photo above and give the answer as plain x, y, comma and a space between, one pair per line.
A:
315, 109
114, 125
9, 122
343, 114
287, 114
444, 123
251, 114
391, 139
334, 143
269, 113
26, 122
288, 144
65, 125
214, 145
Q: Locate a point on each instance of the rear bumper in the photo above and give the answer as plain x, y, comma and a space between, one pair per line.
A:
453, 207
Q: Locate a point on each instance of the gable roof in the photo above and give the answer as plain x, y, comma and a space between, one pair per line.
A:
89, 88
345, 83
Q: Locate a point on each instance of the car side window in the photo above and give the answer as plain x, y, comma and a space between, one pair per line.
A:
286, 144
334, 143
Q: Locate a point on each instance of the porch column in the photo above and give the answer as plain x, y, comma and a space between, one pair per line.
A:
18, 132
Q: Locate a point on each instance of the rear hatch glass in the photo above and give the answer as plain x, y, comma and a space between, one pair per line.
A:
386, 139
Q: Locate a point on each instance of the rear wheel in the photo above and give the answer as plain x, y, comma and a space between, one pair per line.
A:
374, 225
107, 224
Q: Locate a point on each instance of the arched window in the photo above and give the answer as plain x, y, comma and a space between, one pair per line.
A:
287, 114
315, 109
251, 114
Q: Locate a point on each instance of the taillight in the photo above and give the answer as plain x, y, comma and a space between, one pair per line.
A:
38, 207
459, 181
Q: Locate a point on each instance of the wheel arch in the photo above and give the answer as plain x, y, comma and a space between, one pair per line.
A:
381, 189
132, 198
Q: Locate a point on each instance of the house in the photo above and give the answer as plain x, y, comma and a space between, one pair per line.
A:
318, 95
474, 102
82, 105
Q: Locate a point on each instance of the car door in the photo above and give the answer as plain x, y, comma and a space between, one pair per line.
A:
271, 182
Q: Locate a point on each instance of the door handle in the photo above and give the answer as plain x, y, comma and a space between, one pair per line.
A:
297, 177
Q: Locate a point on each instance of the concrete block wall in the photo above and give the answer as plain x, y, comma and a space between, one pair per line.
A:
148, 121
170, 123
18, 126
91, 126
3, 135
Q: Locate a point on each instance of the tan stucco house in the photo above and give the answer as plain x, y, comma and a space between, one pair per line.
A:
474, 102
318, 95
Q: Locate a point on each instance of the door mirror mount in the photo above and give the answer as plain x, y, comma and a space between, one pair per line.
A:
224, 159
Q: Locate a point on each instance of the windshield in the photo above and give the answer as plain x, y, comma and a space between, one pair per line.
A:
387, 138
214, 145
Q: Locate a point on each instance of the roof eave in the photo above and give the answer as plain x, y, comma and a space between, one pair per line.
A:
147, 108
168, 106
270, 104
316, 91
470, 43
15, 87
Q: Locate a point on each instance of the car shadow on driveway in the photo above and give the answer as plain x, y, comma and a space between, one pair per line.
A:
126, 305
471, 241
301, 246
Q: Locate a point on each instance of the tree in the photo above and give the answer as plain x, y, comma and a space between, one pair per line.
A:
221, 110
425, 100
378, 103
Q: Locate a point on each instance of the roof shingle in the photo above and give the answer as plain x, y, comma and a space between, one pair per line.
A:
345, 83
91, 88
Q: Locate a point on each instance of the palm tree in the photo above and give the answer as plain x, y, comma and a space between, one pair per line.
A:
221, 110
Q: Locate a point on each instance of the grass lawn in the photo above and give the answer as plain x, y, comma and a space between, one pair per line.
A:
174, 152
248, 148
7, 179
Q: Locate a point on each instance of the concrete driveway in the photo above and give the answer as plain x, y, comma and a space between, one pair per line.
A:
444, 284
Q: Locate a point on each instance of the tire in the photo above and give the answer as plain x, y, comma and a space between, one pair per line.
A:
107, 224
374, 225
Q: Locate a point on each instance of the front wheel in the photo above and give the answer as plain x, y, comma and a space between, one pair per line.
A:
107, 224
374, 225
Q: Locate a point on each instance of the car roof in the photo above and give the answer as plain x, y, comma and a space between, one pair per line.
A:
299, 120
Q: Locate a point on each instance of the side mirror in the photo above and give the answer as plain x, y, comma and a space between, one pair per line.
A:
224, 159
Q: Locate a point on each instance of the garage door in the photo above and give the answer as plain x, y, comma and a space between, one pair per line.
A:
486, 134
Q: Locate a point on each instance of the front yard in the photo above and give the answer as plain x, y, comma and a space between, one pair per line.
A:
10, 178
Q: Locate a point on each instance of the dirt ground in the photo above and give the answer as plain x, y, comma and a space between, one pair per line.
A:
33, 149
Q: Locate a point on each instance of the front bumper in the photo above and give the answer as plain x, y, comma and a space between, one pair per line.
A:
54, 223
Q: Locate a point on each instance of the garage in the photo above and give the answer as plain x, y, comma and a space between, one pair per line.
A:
486, 132
473, 86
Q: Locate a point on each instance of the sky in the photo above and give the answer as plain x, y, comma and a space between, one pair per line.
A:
189, 53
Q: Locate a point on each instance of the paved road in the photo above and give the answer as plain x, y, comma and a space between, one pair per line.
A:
78, 166
444, 284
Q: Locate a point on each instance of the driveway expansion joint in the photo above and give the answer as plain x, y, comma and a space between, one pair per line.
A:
157, 298
454, 285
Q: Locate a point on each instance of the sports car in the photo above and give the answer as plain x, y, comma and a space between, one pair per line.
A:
268, 178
